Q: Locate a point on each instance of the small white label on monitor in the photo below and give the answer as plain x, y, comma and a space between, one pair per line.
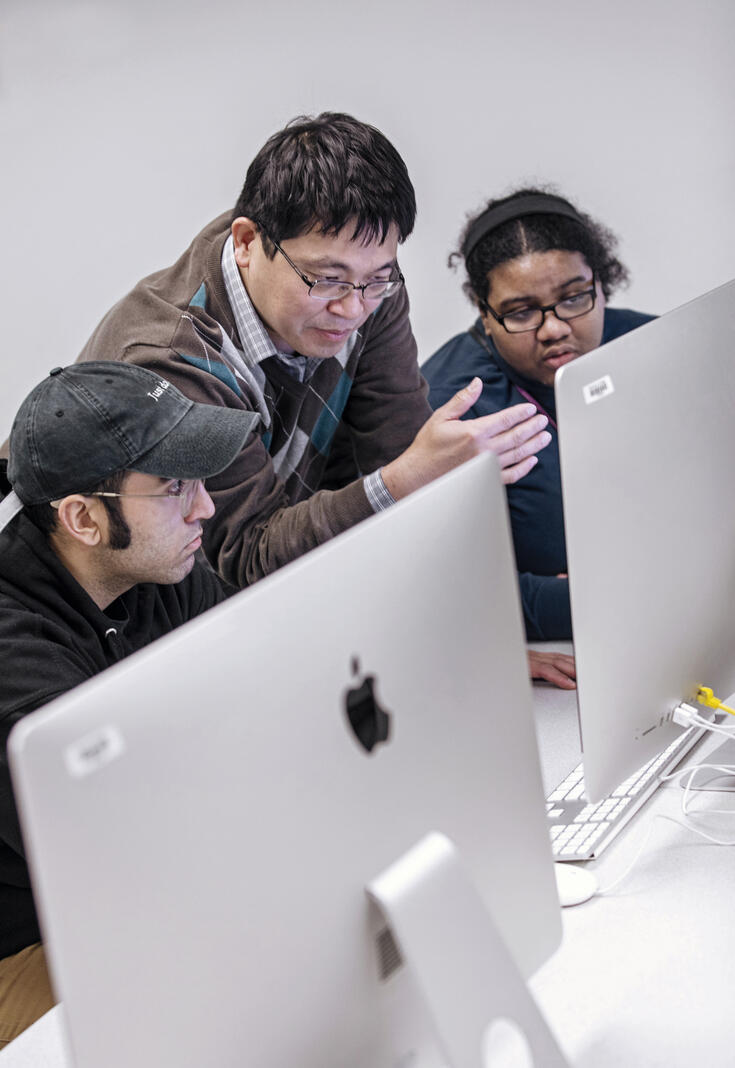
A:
93, 751
595, 391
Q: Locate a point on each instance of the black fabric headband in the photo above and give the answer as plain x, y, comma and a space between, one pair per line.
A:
532, 204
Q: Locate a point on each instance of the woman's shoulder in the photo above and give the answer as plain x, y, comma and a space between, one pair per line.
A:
461, 356
619, 321
456, 363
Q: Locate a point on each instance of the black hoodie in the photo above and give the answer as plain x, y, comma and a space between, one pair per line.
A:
52, 637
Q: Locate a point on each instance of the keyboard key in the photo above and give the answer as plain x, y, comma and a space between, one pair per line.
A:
576, 830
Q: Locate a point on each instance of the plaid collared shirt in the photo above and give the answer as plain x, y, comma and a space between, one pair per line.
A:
258, 346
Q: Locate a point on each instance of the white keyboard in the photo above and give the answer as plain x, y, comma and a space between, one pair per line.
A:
579, 830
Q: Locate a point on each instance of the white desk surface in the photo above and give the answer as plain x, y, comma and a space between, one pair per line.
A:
644, 976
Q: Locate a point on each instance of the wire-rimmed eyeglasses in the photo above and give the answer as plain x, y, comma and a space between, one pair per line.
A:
324, 289
516, 322
184, 491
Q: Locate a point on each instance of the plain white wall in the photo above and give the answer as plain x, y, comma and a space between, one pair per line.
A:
125, 125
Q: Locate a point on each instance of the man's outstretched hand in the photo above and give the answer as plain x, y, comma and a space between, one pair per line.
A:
446, 440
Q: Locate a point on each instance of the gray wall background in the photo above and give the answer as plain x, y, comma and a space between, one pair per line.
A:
126, 125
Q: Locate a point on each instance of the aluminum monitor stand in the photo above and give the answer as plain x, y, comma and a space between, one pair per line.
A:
461, 965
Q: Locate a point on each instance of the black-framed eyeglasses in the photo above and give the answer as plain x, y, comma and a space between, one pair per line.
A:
184, 491
328, 290
516, 322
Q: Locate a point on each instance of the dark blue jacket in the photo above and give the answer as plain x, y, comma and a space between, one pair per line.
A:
535, 502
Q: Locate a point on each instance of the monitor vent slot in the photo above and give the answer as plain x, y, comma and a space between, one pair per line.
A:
389, 955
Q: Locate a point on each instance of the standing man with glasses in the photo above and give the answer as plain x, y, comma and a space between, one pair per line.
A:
540, 274
103, 512
293, 307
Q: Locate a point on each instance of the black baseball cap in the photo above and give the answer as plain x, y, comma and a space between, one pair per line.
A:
86, 421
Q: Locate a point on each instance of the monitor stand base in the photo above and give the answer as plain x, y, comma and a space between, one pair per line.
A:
461, 965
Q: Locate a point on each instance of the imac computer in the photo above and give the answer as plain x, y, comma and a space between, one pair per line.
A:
271, 837
647, 446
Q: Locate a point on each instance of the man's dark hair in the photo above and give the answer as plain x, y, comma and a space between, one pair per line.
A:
320, 173
46, 518
538, 233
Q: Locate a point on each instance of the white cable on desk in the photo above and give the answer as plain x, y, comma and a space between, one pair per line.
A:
689, 790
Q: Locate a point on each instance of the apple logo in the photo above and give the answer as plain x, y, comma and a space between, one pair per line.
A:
369, 721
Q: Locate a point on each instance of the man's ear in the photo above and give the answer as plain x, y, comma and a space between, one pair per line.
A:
244, 234
82, 518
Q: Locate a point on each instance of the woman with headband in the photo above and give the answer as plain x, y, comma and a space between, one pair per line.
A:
540, 273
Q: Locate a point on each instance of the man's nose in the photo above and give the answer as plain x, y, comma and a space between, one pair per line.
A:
202, 505
350, 306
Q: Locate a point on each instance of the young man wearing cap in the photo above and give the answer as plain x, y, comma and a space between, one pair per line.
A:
293, 307
98, 536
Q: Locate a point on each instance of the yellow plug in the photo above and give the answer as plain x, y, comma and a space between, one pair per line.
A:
707, 698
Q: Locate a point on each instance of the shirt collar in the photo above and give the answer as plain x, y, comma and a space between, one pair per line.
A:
254, 337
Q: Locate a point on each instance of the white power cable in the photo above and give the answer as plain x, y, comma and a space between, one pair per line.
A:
689, 815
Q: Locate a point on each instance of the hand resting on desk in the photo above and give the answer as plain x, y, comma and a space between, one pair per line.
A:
557, 668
